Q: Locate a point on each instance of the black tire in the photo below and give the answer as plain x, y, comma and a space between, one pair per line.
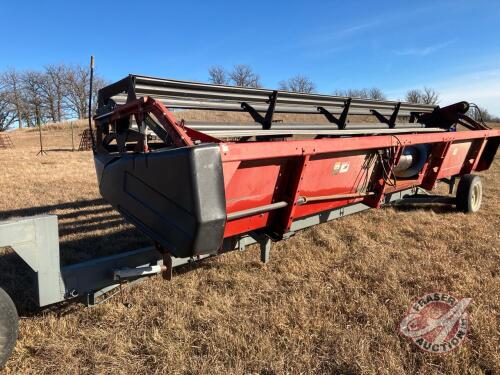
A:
9, 326
469, 193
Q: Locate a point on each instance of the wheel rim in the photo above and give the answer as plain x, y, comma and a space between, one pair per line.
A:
476, 197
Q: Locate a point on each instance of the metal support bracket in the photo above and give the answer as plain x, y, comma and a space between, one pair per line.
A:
440, 150
265, 250
36, 241
341, 122
267, 120
450, 182
394, 155
392, 120
167, 262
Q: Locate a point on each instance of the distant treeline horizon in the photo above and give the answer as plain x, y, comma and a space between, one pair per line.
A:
60, 92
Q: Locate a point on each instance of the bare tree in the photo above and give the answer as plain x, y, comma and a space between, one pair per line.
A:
480, 114
32, 82
363, 93
49, 97
12, 86
218, 75
339, 92
430, 96
376, 94
299, 83
413, 96
353, 93
37, 97
243, 75
98, 84
53, 87
7, 112
77, 86
357, 93
425, 96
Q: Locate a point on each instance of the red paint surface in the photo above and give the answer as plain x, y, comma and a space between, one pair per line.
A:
260, 173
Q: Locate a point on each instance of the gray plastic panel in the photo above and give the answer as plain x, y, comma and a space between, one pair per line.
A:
176, 197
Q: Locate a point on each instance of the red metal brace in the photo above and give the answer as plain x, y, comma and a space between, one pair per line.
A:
147, 104
181, 135
381, 187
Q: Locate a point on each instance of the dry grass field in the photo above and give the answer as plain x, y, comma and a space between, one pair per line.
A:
329, 302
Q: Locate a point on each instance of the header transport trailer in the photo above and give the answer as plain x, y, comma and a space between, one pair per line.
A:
201, 188
203, 185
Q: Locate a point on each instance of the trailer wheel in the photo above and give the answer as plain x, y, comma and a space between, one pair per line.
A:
469, 193
9, 325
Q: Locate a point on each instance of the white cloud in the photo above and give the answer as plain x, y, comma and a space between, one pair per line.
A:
424, 51
338, 34
356, 28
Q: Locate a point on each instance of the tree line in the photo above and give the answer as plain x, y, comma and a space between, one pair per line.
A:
58, 92
244, 76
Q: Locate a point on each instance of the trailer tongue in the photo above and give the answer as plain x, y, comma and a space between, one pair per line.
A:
201, 186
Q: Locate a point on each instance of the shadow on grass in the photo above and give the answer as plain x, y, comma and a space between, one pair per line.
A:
434, 207
87, 229
48, 209
18, 280
92, 228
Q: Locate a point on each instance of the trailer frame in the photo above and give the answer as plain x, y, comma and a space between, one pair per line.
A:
35, 240
199, 193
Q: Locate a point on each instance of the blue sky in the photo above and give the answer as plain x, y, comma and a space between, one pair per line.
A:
452, 46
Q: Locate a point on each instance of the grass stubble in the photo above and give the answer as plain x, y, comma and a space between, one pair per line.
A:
329, 302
